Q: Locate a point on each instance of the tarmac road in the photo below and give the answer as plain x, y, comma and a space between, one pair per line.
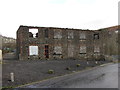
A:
98, 77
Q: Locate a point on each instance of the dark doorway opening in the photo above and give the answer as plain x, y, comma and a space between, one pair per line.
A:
46, 51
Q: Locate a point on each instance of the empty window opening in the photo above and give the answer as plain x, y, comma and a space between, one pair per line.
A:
57, 50
33, 32
46, 51
33, 50
58, 34
70, 35
96, 49
46, 33
82, 49
96, 36
82, 35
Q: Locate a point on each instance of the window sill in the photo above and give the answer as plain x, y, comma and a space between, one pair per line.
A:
57, 38
57, 54
82, 39
82, 53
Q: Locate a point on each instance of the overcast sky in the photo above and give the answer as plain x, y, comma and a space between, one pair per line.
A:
81, 14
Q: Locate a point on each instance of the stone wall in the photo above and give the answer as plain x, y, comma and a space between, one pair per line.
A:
110, 42
64, 43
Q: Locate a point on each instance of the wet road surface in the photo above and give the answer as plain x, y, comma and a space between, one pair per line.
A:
98, 77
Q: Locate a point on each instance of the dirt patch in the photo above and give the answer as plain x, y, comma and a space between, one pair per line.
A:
35, 70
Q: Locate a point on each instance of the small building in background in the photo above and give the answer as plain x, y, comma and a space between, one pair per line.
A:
8, 44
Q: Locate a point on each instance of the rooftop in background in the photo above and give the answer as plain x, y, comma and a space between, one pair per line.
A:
8, 40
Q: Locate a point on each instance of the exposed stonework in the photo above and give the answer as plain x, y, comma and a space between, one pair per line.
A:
63, 43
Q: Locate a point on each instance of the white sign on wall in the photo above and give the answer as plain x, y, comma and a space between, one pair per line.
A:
33, 50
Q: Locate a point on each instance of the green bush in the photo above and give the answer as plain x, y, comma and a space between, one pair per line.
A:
78, 65
50, 71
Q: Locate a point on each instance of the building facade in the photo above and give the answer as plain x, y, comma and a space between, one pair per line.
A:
39, 43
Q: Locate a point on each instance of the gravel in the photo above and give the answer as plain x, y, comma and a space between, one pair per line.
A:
36, 70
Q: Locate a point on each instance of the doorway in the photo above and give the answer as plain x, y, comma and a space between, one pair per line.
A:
46, 51
70, 50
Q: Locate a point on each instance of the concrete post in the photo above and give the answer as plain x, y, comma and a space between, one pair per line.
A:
0, 55
12, 77
96, 62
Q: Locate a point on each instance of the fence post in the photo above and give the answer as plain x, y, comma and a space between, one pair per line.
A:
12, 77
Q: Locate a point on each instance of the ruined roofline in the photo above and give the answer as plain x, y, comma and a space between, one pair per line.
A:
108, 28
56, 28
111, 28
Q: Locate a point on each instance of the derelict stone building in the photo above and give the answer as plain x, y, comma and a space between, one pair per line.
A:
39, 43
